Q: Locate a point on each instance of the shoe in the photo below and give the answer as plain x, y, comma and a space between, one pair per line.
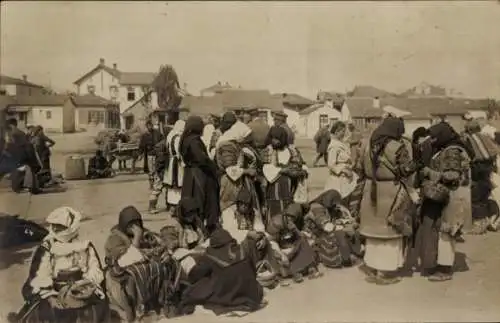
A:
314, 273
383, 279
439, 277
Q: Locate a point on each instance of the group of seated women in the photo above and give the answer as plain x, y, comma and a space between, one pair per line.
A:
172, 271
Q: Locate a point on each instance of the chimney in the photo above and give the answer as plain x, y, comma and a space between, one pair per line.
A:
115, 66
25, 78
376, 102
101, 61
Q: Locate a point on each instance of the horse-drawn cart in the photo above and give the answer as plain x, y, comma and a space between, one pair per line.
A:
119, 146
124, 152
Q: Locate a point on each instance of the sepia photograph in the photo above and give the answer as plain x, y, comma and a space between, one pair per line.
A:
249, 161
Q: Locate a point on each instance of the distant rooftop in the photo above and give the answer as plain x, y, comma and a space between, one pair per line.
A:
8, 80
124, 78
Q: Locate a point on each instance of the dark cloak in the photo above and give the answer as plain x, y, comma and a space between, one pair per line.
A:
391, 128
224, 278
200, 180
442, 135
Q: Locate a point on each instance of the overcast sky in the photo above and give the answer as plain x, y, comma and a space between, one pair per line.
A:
297, 47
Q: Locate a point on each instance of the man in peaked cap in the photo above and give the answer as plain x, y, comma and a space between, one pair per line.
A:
280, 120
247, 115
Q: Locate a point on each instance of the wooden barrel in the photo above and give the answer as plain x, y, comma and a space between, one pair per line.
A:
75, 168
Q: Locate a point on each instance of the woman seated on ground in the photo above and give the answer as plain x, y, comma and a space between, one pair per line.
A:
183, 243
285, 236
224, 278
99, 167
65, 277
140, 271
332, 231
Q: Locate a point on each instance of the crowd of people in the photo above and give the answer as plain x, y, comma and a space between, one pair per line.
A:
26, 158
241, 219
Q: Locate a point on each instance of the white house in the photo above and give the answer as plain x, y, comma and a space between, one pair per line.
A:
55, 113
125, 88
316, 117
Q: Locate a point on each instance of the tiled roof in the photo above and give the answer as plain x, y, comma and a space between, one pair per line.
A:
243, 99
231, 100
218, 87
432, 106
90, 100
53, 100
137, 78
40, 100
363, 108
368, 91
293, 99
201, 105
126, 78
311, 109
7, 80
116, 73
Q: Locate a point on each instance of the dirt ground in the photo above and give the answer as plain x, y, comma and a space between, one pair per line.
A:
340, 296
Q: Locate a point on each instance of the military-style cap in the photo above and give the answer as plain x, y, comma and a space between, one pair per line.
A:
279, 115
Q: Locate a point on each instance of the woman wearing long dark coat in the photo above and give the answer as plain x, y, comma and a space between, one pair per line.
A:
200, 173
225, 278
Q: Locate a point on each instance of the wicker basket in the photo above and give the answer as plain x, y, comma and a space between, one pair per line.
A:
75, 168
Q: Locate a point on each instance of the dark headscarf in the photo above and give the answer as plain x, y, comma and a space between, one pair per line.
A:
420, 132
279, 133
296, 212
391, 128
443, 135
224, 247
227, 121
128, 215
192, 130
328, 199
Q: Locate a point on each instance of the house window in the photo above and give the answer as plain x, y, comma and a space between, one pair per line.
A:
96, 117
130, 94
323, 120
359, 123
48, 115
91, 89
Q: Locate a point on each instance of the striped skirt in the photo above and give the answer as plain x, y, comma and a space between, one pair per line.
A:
96, 311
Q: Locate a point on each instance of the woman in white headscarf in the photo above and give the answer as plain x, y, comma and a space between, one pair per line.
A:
65, 277
175, 170
238, 198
